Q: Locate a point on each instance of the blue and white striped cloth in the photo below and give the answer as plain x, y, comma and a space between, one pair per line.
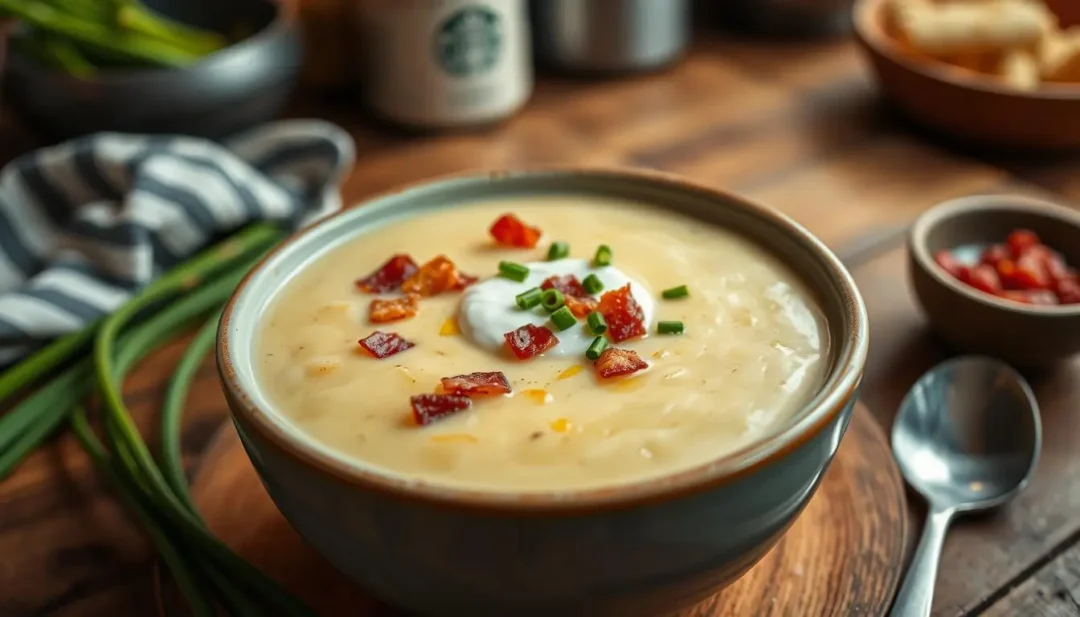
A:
86, 223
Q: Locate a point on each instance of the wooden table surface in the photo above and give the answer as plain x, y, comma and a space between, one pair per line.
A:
797, 127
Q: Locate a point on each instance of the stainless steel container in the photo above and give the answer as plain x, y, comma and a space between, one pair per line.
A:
610, 35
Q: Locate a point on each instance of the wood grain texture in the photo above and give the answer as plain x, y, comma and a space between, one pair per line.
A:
841, 557
797, 126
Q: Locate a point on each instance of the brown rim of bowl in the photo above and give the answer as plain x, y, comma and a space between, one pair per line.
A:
980, 203
867, 18
286, 13
835, 394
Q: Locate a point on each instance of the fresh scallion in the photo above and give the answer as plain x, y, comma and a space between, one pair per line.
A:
513, 271
596, 348
563, 319
675, 292
558, 250
670, 327
552, 299
603, 256
528, 299
592, 284
597, 323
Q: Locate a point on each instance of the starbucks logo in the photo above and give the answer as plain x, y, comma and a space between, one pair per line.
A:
469, 41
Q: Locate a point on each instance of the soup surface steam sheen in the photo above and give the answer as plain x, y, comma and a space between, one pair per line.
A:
752, 354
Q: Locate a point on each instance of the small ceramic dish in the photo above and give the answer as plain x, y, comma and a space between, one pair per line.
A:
972, 321
236, 88
964, 104
639, 549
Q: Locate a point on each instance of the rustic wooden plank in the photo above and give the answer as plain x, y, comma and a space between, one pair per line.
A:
989, 553
1054, 591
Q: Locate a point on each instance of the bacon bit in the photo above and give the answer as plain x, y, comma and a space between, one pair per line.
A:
570, 372
618, 362
464, 280
477, 383
561, 425
580, 307
454, 438
427, 408
389, 276
393, 309
530, 340
436, 276
537, 395
509, 230
450, 327
623, 314
566, 285
384, 344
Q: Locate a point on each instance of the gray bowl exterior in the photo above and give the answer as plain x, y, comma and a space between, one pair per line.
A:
237, 88
456, 557
639, 562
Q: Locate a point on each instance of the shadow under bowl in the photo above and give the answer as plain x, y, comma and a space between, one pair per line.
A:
639, 549
964, 104
972, 321
236, 88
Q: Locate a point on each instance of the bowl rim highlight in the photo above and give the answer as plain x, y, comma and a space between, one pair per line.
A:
950, 209
867, 20
835, 394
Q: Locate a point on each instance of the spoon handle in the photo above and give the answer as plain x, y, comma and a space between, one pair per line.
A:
917, 595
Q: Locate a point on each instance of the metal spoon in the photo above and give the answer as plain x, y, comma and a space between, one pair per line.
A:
967, 437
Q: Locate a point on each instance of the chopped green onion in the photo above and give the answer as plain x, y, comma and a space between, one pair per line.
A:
670, 327
528, 299
513, 271
675, 292
597, 347
563, 319
603, 255
552, 299
592, 284
597, 323
558, 250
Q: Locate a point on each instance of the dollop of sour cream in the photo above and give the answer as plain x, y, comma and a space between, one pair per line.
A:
488, 308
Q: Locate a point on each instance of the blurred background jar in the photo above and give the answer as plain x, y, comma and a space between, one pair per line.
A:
441, 64
610, 35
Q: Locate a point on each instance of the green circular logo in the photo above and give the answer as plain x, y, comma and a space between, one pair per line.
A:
469, 41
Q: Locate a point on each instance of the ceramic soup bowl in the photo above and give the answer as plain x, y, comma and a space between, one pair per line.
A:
642, 548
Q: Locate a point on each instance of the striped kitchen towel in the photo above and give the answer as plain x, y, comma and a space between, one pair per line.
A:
86, 223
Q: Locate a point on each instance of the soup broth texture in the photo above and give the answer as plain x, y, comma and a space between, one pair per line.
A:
751, 352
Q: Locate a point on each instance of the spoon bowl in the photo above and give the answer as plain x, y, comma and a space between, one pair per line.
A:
967, 437
968, 434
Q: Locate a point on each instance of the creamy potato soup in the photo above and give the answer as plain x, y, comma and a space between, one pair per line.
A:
426, 348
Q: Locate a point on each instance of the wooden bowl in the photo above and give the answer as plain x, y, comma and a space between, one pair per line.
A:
961, 103
971, 321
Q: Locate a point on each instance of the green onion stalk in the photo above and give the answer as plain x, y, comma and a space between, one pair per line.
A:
208, 574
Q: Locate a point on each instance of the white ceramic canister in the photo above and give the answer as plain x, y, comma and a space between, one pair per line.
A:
445, 63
